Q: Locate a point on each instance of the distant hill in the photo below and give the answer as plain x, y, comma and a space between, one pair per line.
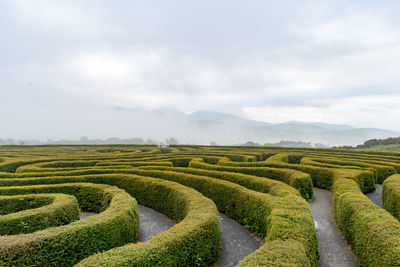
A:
388, 148
205, 126
391, 144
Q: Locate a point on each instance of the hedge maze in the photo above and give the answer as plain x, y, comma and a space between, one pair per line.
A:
43, 190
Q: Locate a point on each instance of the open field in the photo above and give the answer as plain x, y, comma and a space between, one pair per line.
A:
224, 206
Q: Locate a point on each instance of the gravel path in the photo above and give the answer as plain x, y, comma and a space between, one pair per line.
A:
152, 223
333, 248
376, 196
85, 214
237, 242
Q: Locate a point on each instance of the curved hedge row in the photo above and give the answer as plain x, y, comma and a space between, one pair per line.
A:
282, 218
381, 171
391, 195
194, 240
245, 183
22, 214
65, 245
372, 232
296, 179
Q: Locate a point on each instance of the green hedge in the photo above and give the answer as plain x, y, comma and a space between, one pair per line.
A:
382, 171
391, 195
135, 163
296, 179
321, 177
30, 213
118, 224
371, 231
259, 184
324, 177
282, 217
12, 164
195, 240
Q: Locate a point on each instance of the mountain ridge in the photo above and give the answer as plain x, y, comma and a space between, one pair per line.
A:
204, 126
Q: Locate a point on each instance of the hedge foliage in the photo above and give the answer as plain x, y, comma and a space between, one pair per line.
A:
391, 195
66, 245
381, 171
281, 217
296, 179
22, 214
196, 239
371, 231
261, 188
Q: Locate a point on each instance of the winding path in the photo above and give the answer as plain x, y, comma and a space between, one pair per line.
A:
85, 214
376, 196
333, 248
237, 242
152, 223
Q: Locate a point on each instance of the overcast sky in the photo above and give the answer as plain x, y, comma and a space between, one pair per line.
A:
330, 61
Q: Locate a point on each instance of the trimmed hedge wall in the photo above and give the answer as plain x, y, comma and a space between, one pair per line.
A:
324, 177
391, 195
382, 171
299, 180
195, 240
259, 184
118, 224
282, 217
30, 213
371, 231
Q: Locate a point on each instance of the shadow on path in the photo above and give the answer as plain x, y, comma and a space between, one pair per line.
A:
237, 242
85, 214
152, 223
333, 247
376, 196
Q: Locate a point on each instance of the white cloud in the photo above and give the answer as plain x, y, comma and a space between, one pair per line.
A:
335, 62
361, 111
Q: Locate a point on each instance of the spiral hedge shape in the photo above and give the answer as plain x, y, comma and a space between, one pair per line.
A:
43, 189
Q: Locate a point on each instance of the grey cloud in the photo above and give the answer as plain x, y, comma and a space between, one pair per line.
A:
61, 59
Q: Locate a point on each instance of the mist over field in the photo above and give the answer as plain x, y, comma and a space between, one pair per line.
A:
112, 125
130, 69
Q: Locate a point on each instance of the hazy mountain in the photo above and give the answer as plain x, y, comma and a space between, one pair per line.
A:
204, 126
200, 127
327, 126
213, 116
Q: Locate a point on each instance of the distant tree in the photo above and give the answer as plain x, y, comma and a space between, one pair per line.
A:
171, 141
84, 140
9, 141
138, 141
319, 145
251, 143
213, 143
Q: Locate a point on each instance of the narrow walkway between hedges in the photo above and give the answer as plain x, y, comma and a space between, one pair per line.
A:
85, 214
376, 196
237, 242
333, 247
152, 223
